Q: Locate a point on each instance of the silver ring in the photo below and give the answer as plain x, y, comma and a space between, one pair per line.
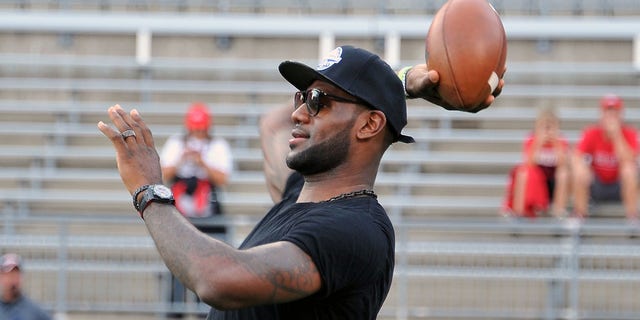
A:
128, 133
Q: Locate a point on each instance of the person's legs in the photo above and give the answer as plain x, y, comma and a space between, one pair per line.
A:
560, 191
519, 189
582, 177
629, 188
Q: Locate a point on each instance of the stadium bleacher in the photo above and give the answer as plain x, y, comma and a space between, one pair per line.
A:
62, 63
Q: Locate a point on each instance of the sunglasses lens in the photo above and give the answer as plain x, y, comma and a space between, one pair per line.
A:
298, 99
313, 102
311, 98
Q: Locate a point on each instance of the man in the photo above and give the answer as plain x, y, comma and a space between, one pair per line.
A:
14, 305
604, 162
326, 249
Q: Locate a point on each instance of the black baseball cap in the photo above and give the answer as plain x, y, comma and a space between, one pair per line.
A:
360, 73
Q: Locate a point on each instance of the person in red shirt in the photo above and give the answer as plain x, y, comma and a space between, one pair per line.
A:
604, 161
543, 176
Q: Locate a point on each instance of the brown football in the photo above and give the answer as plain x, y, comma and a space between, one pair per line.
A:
467, 45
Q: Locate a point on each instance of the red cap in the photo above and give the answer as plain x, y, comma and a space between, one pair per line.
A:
198, 117
9, 262
611, 101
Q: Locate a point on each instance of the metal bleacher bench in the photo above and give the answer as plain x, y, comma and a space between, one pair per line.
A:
250, 132
270, 88
52, 153
119, 199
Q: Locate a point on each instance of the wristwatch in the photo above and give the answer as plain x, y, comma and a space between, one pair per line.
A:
152, 193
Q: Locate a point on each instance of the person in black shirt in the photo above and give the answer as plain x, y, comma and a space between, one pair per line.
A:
326, 249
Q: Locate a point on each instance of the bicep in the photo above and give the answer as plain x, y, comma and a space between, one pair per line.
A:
273, 273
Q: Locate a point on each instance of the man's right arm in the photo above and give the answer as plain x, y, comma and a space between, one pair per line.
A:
222, 276
275, 132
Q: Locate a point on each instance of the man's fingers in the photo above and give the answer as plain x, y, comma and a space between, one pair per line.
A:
114, 135
145, 132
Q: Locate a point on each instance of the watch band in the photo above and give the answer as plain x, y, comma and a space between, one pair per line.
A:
137, 193
154, 193
402, 74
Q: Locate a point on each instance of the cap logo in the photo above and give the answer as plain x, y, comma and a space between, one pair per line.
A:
330, 59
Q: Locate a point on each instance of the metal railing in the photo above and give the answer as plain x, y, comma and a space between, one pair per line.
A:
543, 269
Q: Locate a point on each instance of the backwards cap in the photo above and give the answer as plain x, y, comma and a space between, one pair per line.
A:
360, 73
9, 262
197, 117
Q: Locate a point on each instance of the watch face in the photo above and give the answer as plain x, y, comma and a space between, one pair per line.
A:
162, 191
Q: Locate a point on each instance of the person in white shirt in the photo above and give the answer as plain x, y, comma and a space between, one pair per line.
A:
195, 164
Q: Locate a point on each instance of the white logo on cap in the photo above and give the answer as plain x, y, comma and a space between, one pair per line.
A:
330, 59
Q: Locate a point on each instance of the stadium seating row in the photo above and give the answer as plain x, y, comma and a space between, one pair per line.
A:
56, 165
342, 7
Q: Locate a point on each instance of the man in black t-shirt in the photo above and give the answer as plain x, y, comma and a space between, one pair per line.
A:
326, 249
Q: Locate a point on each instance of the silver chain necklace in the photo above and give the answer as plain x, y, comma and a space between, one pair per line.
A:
363, 192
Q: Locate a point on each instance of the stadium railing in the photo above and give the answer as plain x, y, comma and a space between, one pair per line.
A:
460, 269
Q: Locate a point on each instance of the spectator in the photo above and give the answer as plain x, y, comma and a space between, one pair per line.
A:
14, 305
326, 249
196, 165
604, 162
543, 176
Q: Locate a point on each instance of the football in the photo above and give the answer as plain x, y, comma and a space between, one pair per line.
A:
467, 45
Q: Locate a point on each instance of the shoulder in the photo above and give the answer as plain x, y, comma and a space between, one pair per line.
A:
35, 310
629, 129
358, 218
529, 138
217, 141
592, 131
176, 139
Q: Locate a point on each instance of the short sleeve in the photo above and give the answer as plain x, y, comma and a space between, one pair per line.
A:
585, 144
171, 152
219, 156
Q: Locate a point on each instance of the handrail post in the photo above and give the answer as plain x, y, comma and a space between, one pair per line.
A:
63, 259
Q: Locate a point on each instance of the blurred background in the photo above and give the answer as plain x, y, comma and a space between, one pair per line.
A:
87, 255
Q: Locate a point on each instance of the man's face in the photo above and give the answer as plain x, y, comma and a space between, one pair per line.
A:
611, 113
200, 133
10, 283
321, 143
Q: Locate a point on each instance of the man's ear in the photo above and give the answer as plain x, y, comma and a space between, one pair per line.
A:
371, 123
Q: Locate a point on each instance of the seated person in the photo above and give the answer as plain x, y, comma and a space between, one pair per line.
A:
605, 162
543, 176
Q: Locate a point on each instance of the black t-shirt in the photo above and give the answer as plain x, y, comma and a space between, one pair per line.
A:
351, 242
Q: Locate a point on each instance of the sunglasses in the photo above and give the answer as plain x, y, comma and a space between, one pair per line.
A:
312, 100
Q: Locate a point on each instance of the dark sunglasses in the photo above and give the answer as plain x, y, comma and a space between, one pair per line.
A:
312, 99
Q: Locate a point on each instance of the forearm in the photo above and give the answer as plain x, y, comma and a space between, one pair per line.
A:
533, 153
225, 277
561, 153
275, 132
217, 177
621, 147
193, 257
